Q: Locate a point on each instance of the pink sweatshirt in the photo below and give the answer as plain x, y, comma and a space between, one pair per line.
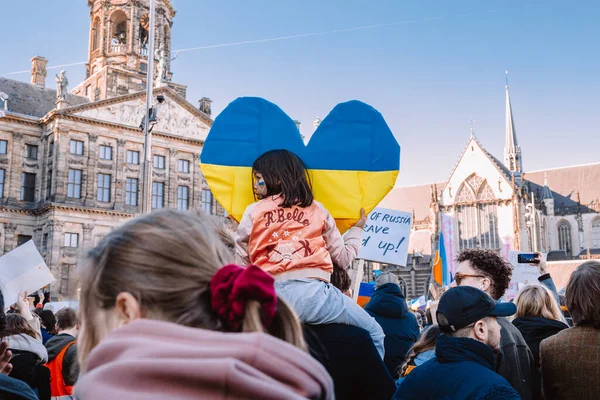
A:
152, 360
294, 243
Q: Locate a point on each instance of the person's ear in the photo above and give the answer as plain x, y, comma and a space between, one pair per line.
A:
485, 284
480, 330
127, 307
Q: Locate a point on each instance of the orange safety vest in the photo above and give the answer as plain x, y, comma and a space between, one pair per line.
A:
58, 386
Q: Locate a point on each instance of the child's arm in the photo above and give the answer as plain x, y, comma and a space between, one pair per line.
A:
242, 237
343, 250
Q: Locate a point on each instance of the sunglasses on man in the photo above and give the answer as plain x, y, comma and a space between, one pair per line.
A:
458, 277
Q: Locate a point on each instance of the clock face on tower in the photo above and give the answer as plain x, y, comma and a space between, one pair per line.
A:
145, 22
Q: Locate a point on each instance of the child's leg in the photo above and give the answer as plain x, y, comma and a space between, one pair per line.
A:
318, 303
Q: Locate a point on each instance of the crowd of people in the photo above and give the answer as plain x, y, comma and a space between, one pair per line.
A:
175, 305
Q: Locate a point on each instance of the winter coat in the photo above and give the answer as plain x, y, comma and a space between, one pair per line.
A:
388, 307
152, 360
352, 360
515, 361
70, 364
14, 389
28, 359
570, 364
536, 329
463, 369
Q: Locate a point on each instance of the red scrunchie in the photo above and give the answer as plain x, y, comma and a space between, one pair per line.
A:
232, 286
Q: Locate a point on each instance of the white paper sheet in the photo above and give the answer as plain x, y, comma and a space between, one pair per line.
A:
23, 269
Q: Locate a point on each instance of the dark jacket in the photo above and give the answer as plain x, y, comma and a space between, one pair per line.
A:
388, 307
569, 364
515, 362
463, 369
28, 358
350, 357
45, 335
70, 363
14, 389
536, 329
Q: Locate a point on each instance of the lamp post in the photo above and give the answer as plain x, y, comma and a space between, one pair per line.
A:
147, 170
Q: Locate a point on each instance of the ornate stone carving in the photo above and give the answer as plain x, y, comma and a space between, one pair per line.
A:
486, 192
30, 164
475, 182
88, 228
159, 174
184, 178
133, 170
61, 85
464, 194
77, 161
104, 165
17, 136
92, 137
172, 118
121, 142
173, 152
10, 228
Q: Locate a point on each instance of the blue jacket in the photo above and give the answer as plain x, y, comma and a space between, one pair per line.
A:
463, 370
388, 307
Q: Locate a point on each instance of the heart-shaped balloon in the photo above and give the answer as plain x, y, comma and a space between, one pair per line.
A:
353, 157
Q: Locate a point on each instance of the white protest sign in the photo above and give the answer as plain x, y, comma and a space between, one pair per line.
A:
385, 237
523, 274
23, 269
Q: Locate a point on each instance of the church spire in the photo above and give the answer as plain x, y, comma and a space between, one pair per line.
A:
512, 151
547, 193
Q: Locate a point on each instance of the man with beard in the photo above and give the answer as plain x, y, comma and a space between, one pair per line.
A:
464, 364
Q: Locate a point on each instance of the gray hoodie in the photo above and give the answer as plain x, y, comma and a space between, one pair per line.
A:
25, 342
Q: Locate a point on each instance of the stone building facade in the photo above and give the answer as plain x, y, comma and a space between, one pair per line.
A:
71, 169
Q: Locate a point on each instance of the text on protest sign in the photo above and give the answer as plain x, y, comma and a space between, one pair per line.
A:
523, 274
385, 237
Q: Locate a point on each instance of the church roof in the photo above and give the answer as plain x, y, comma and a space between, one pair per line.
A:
410, 198
566, 183
33, 100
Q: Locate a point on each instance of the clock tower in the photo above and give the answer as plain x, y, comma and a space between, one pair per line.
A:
118, 50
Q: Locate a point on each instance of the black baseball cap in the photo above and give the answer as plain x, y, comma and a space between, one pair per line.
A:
464, 305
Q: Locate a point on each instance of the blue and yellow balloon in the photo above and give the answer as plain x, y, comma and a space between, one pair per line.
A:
353, 157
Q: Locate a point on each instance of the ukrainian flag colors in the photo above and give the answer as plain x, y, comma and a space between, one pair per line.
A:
353, 157
441, 273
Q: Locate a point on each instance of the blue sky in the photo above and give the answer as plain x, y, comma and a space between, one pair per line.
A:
428, 77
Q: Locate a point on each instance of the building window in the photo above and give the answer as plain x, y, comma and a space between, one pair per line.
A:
105, 152
3, 146
182, 198
76, 147
159, 162
31, 151
65, 278
1, 183
22, 239
207, 201
158, 197
71, 239
183, 166
74, 184
564, 237
50, 149
478, 227
596, 233
131, 192
49, 184
103, 188
133, 157
28, 187
221, 212
143, 67
45, 242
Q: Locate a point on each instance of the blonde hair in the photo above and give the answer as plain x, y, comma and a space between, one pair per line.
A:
166, 260
538, 301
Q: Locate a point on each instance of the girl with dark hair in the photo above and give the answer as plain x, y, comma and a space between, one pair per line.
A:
294, 238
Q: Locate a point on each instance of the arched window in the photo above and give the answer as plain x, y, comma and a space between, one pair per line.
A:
118, 34
96, 34
402, 285
477, 221
596, 233
564, 236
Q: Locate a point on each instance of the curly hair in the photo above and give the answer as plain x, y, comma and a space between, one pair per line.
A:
489, 263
